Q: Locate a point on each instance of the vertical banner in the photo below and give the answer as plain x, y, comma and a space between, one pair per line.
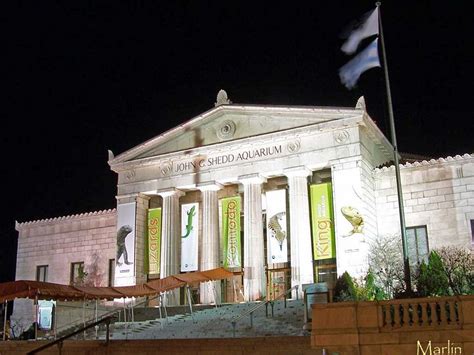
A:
322, 220
124, 268
45, 314
277, 249
189, 236
231, 231
154, 240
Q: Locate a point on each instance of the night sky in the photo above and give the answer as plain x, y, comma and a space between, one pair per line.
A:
82, 78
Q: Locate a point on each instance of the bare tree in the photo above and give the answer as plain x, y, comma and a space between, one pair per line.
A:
458, 265
94, 275
386, 263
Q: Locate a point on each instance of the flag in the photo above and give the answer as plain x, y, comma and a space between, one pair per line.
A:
369, 28
365, 60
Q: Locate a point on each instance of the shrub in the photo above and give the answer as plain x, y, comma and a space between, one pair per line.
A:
431, 279
345, 290
348, 289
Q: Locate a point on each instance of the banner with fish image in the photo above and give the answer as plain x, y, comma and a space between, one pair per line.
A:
154, 240
125, 258
189, 236
277, 249
231, 231
322, 221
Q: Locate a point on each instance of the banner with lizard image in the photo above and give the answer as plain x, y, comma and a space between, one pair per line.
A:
277, 250
189, 236
230, 215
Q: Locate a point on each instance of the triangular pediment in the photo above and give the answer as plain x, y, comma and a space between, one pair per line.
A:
232, 122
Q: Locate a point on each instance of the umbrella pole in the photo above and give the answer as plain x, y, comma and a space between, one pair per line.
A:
5, 309
55, 306
188, 293
159, 308
36, 317
84, 317
96, 327
214, 291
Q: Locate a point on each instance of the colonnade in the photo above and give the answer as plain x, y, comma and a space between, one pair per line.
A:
254, 258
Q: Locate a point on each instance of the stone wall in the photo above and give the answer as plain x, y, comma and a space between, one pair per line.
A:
395, 327
436, 193
58, 242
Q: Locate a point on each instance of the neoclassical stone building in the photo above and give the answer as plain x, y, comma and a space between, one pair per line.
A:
289, 195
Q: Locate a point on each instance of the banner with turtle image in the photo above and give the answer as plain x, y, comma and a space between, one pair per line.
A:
277, 249
154, 240
322, 221
124, 260
189, 236
230, 215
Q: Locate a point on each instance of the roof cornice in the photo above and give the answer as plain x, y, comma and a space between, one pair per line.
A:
21, 225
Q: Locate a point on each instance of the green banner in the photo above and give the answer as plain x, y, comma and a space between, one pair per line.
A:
231, 231
154, 240
322, 220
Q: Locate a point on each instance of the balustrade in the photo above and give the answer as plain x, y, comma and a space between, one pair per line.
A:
423, 312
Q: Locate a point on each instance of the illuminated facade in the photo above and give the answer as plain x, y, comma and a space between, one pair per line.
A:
288, 195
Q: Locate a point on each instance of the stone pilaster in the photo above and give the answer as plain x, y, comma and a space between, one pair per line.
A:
300, 228
141, 230
210, 241
171, 239
254, 258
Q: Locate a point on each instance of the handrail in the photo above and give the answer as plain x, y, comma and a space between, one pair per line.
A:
107, 320
253, 309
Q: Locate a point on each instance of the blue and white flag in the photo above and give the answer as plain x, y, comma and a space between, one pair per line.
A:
369, 28
368, 58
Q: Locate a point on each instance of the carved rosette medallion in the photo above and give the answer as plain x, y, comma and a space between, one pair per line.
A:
130, 174
341, 137
294, 147
226, 130
166, 168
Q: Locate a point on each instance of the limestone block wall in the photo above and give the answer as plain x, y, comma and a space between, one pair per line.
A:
436, 193
58, 242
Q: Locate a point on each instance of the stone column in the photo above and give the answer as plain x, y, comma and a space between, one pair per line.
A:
210, 241
170, 239
300, 228
254, 258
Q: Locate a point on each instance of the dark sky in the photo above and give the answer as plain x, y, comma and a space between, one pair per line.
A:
88, 76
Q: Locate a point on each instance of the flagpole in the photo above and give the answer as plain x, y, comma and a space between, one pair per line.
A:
406, 263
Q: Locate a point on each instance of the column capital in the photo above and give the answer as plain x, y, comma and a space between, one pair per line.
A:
209, 186
298, 171
250, 179
170, 192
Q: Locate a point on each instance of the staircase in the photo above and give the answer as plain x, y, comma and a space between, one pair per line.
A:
217, 323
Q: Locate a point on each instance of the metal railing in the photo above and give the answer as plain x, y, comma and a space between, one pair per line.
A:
105, 318
60, 341
252, 310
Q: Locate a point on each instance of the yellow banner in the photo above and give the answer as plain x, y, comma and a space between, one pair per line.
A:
154, 240
322, 218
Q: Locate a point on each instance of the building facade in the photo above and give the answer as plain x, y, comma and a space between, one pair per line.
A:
287, 195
